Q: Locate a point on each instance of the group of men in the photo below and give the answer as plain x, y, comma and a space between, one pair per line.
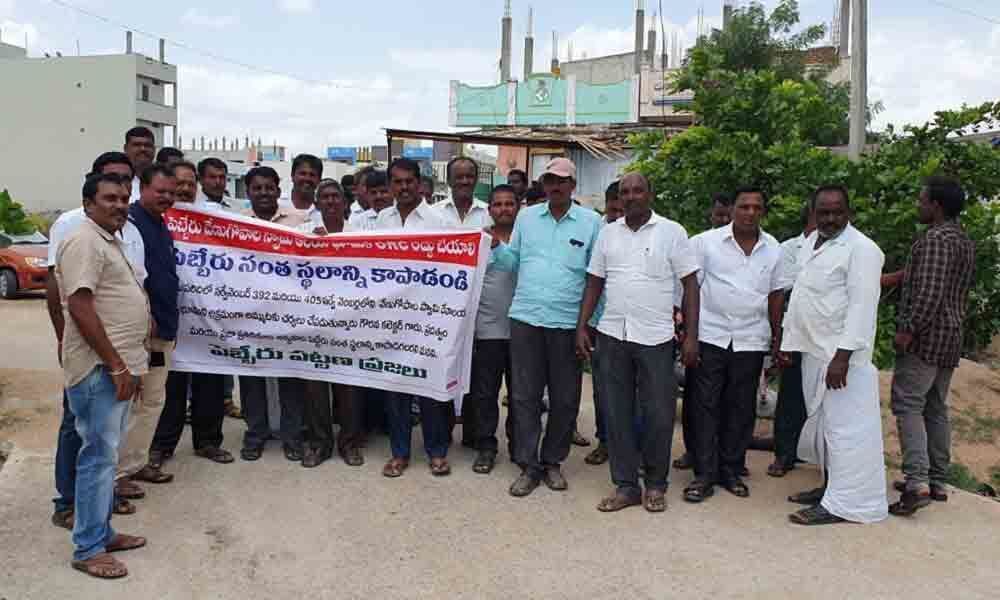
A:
629, 291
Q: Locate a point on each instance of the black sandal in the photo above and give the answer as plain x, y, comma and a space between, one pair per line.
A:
736, 487
484, 463
810, 498
248, 453
215, 454
698, 491
909, 503
815, 515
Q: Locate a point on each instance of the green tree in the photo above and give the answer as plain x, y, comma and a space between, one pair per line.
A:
764, 119
12, 217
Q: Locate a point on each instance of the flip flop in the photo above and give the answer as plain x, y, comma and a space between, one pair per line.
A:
151, 474
440, 467
128, 490
395, 467
815, 515
122, 543
617, 502
101, 566
655, 501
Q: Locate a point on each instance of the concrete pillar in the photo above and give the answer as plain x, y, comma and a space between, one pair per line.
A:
555, 53
529, 48
128, 42
640, 27
859, 77
845, 29
163, 50
506, 31
651, 44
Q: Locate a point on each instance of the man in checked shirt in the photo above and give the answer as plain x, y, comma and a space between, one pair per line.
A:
928, 341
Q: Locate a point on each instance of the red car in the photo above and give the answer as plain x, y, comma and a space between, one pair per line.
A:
23, 260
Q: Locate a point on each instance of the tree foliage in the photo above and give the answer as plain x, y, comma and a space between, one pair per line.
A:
763, 119
12, 217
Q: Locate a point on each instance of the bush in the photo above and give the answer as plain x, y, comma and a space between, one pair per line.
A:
12, 217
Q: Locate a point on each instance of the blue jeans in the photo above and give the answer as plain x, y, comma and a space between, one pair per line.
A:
67, 448
433, 421
100, 422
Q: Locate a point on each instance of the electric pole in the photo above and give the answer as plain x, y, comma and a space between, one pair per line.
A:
859, 77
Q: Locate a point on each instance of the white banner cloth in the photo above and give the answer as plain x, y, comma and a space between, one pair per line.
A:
390, 311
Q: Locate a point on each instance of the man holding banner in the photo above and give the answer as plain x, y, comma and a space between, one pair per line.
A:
411, 213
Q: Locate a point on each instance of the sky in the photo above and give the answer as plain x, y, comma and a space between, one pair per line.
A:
335, 73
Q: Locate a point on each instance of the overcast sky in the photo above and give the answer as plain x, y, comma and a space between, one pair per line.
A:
334, 72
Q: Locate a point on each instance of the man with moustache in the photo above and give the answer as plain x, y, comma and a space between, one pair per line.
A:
463, 210
636, 262
140, 147
106, 316
411, 213
831, 321
263, 187
549, 250
491, 348
331, 204
68, 440
212, 175
518, 180
186, 175
206, 389
738, 271
307, 170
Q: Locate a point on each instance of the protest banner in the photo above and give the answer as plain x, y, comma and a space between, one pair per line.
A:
391, 311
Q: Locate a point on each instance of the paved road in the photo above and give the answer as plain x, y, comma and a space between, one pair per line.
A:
274, 530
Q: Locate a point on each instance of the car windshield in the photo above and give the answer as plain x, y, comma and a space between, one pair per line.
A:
9, 239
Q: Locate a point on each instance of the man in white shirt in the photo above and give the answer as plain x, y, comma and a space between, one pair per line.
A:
361, 203
375, 188
636, 260
140, 147
411, 213
186, 175
307, 170
831, 320
738, 274
463, 210
790, 411
68, 441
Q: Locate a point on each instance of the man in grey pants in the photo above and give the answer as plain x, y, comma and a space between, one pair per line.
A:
936, 286
636, 261
549, 251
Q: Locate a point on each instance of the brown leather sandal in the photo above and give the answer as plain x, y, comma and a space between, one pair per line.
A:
101, 566
123, 507
440, 467
128, 490
122, 542
655, 501
395, 467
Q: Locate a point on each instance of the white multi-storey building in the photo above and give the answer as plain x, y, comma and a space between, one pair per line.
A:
59, 113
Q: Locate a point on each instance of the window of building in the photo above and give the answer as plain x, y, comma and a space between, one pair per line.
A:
145, 93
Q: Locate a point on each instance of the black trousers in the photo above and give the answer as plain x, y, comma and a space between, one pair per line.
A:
687, 408
481, 406
790, 413
542, 357
638, 379
317, 415
253, 401
724, 400
207, 411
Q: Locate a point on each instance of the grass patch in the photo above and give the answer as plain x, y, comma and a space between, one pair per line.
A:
961, 477
971, 425
995, 476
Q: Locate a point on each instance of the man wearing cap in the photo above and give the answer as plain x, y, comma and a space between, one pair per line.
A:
549, 250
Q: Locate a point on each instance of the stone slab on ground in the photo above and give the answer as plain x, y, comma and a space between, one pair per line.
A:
272, 529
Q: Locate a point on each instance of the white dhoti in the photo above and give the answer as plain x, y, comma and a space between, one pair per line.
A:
843, 434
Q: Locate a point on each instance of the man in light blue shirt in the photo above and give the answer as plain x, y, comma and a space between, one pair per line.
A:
549, 250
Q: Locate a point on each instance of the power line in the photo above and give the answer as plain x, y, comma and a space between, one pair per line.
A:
965, 11
206, 53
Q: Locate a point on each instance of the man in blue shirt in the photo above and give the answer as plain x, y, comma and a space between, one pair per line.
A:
549, 250
206, 389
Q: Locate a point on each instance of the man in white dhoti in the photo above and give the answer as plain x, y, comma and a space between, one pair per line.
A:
831, 320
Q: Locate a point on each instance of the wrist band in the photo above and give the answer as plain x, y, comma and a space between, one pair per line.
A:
117, 373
